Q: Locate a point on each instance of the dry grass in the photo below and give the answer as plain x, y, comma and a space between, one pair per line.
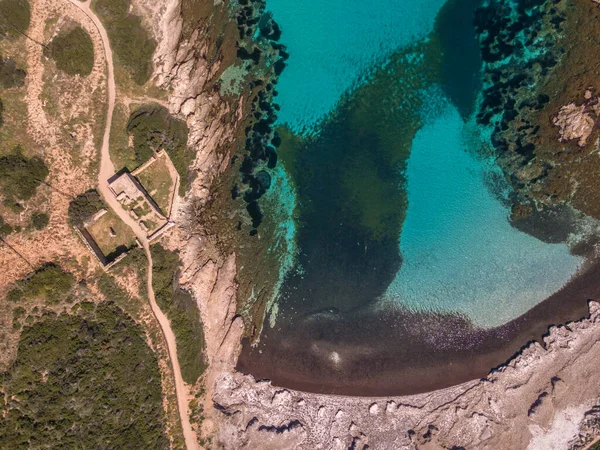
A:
77, 102
158, 182
14, 130
101, 232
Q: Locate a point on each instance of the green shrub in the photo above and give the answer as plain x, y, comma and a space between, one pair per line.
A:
18, 313
83, 207
87, 306
130, 41
83, 381
39, 220
20, 176
111, 290
182, 311
73, 52
15, 16
10, 75
50, 282
153, 129
5, 229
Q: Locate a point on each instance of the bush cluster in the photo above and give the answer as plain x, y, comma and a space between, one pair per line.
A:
39, 220
50, 282
83, 381
154, 128
73, 52
5, 229
84, 206
20, 176
131, 42
182, 311
10, 75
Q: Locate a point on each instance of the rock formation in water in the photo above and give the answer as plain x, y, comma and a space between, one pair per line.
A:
539, 97
574, 124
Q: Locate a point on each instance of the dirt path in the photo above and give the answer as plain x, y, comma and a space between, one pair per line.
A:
107, 170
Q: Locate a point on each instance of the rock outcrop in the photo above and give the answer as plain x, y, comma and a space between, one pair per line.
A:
574, 123
186, 66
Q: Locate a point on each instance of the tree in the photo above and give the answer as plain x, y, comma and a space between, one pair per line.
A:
153, 129
20, 176
5, 229
73, 52
39, 220
84, 206
10, 75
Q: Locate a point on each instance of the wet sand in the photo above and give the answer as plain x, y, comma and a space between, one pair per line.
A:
382, 353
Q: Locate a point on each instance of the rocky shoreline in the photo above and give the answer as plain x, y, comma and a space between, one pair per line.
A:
540, 99
517, 405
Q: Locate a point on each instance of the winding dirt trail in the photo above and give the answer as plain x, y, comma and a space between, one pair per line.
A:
107, 170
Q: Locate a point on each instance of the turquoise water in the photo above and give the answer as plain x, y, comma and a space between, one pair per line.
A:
459, 251
400, 270
334, 43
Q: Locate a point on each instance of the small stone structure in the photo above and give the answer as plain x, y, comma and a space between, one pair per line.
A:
91, 244
130, 193
175, 175
573, 123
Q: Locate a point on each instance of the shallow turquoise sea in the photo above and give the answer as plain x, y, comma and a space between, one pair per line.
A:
456, 252
334, 44
460, 253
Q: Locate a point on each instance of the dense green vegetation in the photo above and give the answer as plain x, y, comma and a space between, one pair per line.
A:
83, 381
153, 129
111, 290
73, 52
20, 176
50, 283
130, 41
15, 16
84, 206
5, 229
39, 220
181, 309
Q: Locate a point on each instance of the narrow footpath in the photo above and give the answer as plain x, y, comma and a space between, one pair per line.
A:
107, 170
